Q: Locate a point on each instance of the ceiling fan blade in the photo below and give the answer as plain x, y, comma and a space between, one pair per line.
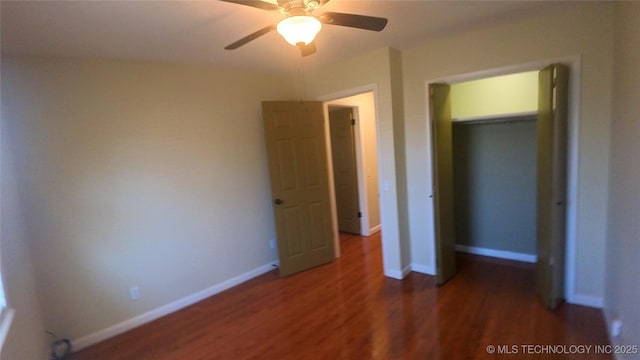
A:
306, 50
250, 37
256, 4
355, 21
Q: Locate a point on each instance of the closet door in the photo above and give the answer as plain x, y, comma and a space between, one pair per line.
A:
443, 182
551, 188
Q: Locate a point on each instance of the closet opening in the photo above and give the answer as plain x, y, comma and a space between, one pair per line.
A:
494, 176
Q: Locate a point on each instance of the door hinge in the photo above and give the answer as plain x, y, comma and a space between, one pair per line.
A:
353, 122
359, 214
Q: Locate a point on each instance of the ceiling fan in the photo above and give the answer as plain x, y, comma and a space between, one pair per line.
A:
300, 27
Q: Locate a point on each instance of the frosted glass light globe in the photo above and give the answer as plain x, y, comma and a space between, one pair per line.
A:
299, 29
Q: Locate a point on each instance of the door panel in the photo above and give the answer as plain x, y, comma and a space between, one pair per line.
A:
298, 169
344, 169
443, 182
551, 192
292, 220
286, 169
312, 147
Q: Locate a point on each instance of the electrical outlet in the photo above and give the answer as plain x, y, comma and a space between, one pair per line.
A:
616, 328
134, 292
272, 243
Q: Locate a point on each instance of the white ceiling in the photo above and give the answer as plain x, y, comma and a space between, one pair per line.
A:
187, 31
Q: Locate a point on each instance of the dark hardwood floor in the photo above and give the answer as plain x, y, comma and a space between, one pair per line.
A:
349, 310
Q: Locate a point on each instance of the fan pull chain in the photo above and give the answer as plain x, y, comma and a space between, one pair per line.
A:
301, 78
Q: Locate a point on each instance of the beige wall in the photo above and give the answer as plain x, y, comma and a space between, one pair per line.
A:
367, 134
350, 77
137, 173
623, 246
582, 29
26, 339
400, 150
499, 95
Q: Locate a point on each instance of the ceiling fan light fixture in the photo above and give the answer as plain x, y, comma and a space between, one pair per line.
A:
299, 29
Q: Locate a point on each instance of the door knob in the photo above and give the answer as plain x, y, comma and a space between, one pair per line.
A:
278, 202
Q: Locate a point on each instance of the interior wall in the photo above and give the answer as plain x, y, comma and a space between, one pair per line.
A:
499, 95
400, 151
367, 128
568, 29
494, 165
26, 339
339, 80
623, 245
137, 174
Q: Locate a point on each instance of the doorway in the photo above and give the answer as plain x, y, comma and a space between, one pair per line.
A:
363, 201
300, 166
386, 196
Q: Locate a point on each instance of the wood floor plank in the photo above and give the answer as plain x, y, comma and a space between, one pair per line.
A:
349, 310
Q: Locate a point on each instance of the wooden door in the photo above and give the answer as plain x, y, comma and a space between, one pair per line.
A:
551, 192
443, 182
298, 169
343, 152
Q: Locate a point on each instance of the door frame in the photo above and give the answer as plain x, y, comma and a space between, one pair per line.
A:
363, 204
574, 63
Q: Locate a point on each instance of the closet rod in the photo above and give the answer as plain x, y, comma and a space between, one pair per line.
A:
530, 115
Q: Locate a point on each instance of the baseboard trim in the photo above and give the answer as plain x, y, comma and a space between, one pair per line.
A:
586, 300
6, 318
429, 270
375, 229
119, 328
501, 254
394, 274
406, 271
397, 274
412, 267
